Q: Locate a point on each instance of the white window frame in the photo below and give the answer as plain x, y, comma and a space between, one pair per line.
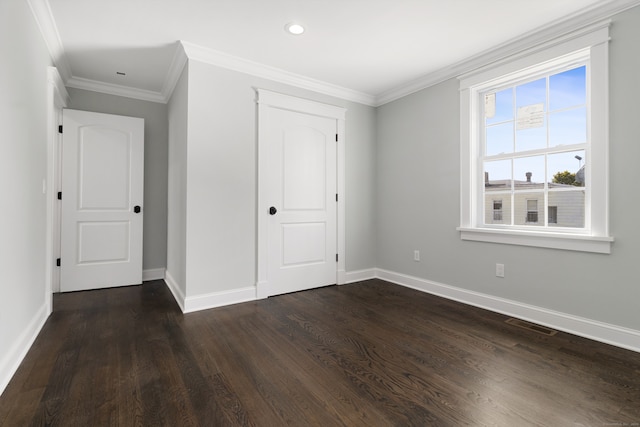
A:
590, 44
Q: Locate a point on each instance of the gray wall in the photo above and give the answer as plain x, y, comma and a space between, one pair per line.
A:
360, 197
23, 167
222, 178
155, 163
418, 202
177, 187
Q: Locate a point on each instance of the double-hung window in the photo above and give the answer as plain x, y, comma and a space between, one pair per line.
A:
534, 146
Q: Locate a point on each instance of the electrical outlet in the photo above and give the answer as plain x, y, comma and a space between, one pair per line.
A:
416, 255
499, 270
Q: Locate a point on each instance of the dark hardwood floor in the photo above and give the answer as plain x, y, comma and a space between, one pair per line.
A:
366, 354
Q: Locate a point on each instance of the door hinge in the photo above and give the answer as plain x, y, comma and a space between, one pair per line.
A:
336, 197
58, 262
336, 257
59, 195
60, 129
336, 137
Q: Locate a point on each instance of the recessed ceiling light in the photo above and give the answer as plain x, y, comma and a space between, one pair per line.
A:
295, 29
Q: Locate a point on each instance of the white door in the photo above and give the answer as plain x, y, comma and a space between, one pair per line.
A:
301, 198
102, 189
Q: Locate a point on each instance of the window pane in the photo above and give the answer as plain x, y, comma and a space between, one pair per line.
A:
568, 89
566, 169
499, 139
497, 175
531, 139
531, 131
528, 173
569, 208
528, 208
568, 127
531, 93
503, 107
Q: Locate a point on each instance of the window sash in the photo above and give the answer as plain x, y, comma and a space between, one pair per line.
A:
513, 85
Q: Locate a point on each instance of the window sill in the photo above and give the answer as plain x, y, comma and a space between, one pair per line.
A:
569, 242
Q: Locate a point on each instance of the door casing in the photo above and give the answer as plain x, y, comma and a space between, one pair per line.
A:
57, 99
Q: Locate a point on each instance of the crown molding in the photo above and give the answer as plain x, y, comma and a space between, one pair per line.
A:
43, 16
118, 90
224, 60
47, 26
55, 79
175, 71
185, 50
540, 36
171, 79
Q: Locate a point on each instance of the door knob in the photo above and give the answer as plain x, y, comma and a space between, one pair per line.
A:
272, 210
136, 209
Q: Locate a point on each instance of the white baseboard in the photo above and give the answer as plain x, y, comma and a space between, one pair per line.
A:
360, 275
175, 289
342, 277
13, 357
219, 299
592, 329
595, 330
153, 274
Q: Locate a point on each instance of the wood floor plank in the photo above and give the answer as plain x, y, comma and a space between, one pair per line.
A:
369, 369
325, 379
366, 354
423, 385
213, 352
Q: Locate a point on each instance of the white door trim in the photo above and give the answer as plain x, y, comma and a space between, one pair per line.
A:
57, 99
268, 99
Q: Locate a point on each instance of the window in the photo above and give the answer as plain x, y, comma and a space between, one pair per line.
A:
553, 215
497, 210
532, 210
533, 137
534, 142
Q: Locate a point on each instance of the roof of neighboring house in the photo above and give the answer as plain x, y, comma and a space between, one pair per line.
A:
505, 184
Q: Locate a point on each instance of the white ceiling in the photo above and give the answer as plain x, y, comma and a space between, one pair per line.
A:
367, 46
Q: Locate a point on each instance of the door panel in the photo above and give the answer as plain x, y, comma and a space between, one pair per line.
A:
302, 234
304, 169
303, 243
103, 242
102, 181
105, 168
